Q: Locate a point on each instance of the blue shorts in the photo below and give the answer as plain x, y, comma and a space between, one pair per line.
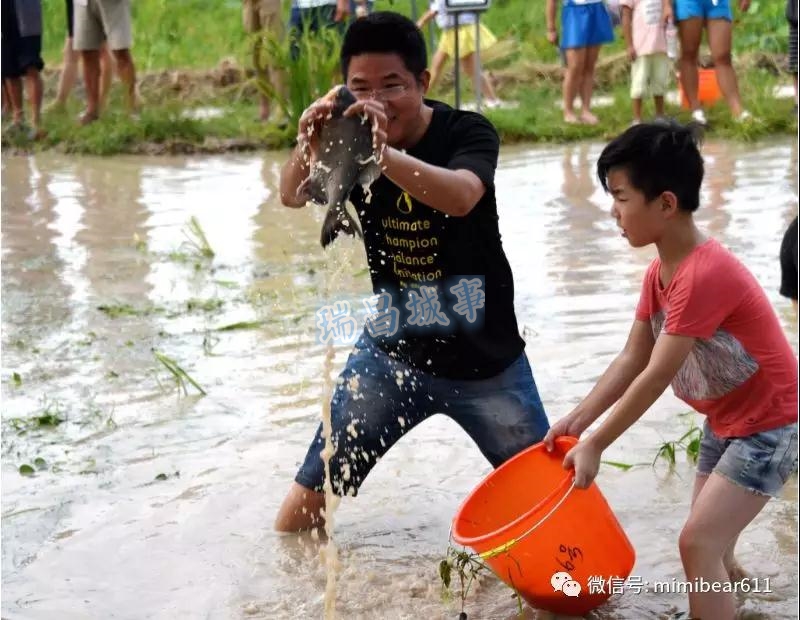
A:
761, 463
379, 399
704, 9
585, 25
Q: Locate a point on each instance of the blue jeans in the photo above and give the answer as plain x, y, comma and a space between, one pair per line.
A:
760, 463
379, 399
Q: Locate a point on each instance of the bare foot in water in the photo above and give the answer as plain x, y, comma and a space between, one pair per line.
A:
588, 118
735, 571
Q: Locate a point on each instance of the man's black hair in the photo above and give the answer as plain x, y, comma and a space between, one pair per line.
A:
385, 32
658, 157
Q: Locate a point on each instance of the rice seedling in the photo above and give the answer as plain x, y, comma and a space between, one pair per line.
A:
197, 240
180, 376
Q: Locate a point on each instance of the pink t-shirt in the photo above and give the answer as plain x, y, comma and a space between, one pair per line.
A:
649, 36
742, 373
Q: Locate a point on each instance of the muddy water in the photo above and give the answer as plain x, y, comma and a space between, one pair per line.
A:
154, 504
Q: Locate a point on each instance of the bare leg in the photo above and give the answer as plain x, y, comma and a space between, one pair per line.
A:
637, 110
263, 111
302, 509
659, 101
35, 88
587, 85
6, 99
69, 73
690, 32
721, 510
468, 67
729, 561
91, 79
719, 40
14, 90
106, 73
127, 73
573, 74
437, 63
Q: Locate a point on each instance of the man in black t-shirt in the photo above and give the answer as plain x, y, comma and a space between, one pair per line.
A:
445, 339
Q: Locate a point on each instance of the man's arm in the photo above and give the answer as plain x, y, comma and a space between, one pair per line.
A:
455, 192
293, 173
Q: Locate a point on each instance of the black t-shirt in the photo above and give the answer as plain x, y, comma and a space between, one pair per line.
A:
411, 246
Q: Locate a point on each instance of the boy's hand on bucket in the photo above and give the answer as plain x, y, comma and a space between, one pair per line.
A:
585, 460
568, 425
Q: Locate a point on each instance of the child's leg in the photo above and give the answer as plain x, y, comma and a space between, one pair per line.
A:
14, 89
637, 110
437, 63
468, 66
719, 40
732, 566
659, 100
69, 73
690, 32
720, 512
587, 84
576, 58
35, 88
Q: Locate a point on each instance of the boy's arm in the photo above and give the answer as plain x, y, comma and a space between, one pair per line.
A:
627, 30
669, 354
619, 375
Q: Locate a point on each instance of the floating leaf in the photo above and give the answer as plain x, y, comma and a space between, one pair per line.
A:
17, 379
40, 463
26, 470
162, 477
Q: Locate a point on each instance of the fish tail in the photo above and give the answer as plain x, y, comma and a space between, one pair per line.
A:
337, 220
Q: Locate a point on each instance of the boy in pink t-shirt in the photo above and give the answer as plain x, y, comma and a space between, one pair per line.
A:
645, 36
704, 325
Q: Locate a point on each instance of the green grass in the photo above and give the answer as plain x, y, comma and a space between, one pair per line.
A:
200, 34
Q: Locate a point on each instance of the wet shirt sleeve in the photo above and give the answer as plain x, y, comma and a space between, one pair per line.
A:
475, 146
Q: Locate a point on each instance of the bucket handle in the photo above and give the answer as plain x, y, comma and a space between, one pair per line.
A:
491, 553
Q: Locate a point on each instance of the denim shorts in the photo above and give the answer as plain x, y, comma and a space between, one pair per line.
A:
761, 463
379, 399
704, 9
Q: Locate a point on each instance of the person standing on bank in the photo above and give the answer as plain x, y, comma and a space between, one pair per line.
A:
585, 26
431, 219
97, 21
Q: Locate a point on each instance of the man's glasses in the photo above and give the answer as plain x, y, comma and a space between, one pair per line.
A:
381, 94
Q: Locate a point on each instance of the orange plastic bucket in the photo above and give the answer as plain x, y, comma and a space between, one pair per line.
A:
548, 540
708, 91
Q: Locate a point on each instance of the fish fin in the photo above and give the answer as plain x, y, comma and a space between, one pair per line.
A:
312, 189
338, 220
369, 174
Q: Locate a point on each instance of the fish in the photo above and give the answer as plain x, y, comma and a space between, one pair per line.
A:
345, 157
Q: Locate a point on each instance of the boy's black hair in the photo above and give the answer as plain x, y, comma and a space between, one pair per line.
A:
658, 157
385, 32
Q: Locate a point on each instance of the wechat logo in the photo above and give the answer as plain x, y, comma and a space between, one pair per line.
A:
563, 582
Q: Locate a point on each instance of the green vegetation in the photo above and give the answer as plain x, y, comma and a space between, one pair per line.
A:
198, 97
